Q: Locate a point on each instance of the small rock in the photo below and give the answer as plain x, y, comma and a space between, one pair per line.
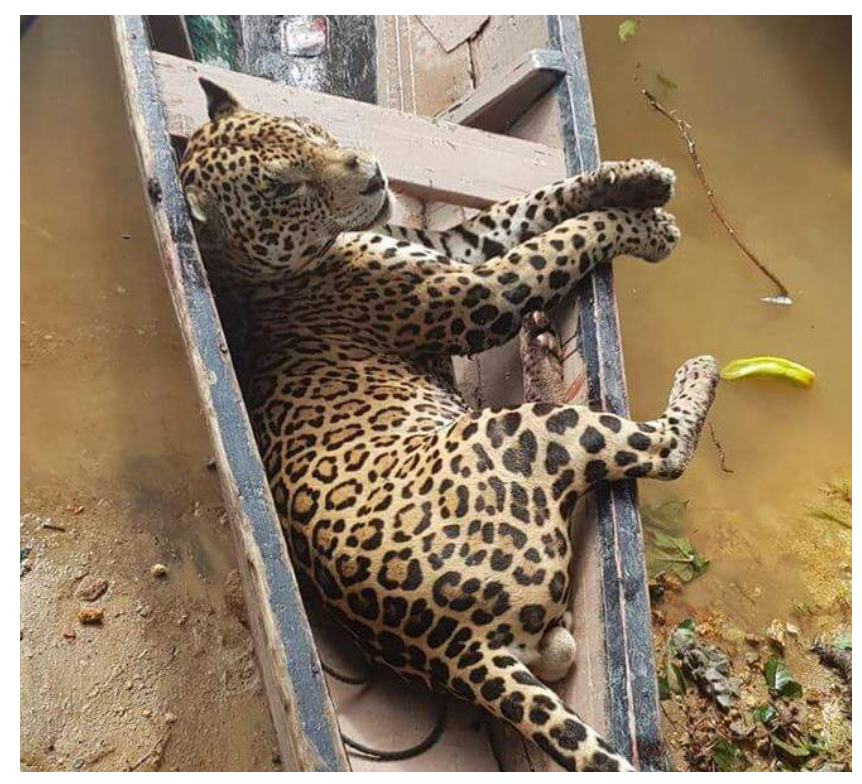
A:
91, 615
754, 640
170, 718
793, 631
159, 570
91, 588
775, 634
739, 729
751, 658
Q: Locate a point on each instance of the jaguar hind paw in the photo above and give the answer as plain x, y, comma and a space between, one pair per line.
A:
542, 360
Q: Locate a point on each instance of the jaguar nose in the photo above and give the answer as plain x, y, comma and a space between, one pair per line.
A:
375, 183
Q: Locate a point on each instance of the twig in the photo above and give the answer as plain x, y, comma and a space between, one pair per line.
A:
720, 449
744, 594
685, 131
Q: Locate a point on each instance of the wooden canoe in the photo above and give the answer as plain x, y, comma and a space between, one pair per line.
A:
614, 683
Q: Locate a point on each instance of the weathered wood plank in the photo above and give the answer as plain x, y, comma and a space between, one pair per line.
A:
425, 158
302, 711
453, 30
632, 691
499, 102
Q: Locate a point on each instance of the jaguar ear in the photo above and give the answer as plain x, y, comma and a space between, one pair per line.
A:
197, 203
220, 103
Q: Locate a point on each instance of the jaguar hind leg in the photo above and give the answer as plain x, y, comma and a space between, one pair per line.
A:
506, 688
542, 360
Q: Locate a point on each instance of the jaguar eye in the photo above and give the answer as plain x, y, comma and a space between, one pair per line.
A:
284, 190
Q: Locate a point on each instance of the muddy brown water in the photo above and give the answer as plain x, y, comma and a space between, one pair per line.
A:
114, 451
109, 418
769, 103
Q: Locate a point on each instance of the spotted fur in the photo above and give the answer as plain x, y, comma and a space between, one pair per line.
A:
436, 534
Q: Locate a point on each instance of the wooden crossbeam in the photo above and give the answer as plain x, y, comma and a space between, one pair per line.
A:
425, 158
501, 99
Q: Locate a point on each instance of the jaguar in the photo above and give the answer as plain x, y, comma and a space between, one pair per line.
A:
437, 535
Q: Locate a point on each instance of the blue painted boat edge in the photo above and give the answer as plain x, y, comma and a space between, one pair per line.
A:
311, 705
632, 689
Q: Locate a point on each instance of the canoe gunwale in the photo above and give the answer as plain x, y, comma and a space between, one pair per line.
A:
302, 711
632, 688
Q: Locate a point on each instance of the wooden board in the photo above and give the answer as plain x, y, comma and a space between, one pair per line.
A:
453, 30
425, 158
499, 102
301, 708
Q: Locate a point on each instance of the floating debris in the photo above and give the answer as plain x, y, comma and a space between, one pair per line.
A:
776, 367
627, 29
666, 550
782, 295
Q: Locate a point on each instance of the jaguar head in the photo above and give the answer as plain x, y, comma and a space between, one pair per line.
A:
270, 194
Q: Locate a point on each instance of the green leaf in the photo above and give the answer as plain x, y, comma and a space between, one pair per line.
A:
777, 367
843, 642
666, 550
663, 689
728, 757
627, 29
687, 624
675, 679
778, 679
793, 749
764, 713
664, 81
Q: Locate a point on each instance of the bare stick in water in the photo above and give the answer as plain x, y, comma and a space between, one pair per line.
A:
782, 297
720, 448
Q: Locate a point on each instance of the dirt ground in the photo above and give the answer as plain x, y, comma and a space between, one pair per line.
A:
114, 476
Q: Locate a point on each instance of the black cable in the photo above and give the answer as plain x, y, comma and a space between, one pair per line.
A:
379, 755
411, 751
353, 680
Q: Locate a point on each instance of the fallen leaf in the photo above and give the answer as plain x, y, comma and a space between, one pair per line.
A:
778, 679
627, 29
729, 757
664, 81
666, 549
764, 713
